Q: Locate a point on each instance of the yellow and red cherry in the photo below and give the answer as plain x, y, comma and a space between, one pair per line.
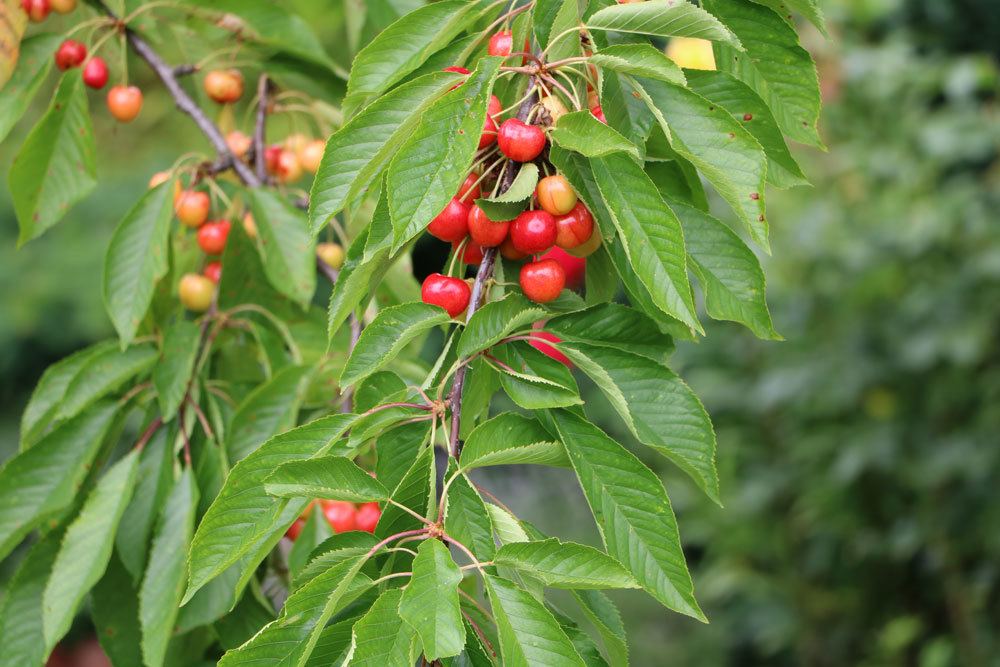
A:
125, 102
213, 271
449, 293
574, 268
70, 54
367, 517
501, 44
555, 194
95, 73
224, 86
542, 281
192, 207
196, 292
62, 6
555, 107
533, 231
588, 247
575, 227
238, 144
311, 155
519, 141
212, 237
332, 254
452, 223
341, 515
485, 232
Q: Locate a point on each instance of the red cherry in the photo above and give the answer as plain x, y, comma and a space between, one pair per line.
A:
484, 231
508, 251
213, 271
599, 113
548, 350
368, 516
37, 10
459, 70
295, 529
212, 237
469, 192
272, 156
341, 515
70, 53
519, 141
574, 267
452, 294
542, 281
533, 231
452, 223
501, 44
473, 253
95, 73
125, 102
575, 228
490, 130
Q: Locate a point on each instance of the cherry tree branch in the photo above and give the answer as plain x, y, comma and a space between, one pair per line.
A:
260, 164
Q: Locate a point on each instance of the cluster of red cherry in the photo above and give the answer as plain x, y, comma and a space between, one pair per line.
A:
341, 515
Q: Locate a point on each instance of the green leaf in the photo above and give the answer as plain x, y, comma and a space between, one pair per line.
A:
104, 373
163, 585
330, 477
315, 531
613, 325
467, 519
413, 491
391, 331
429, 168
535, 380
580, 131
269, 409
511, 438
728, 271
639, 60
808, 8
114, 607
775, 65
663, 19
497, 320
624, 108
357, 152
658, 408
43, 480
568, 44
21, 608
565, 564
55, 167
429, 603
137, 258
154, 480
243, 513
381, 638
745, 105
650, 233
86, 548
507, 527
286, 244
334, 645
529, 633
51, 388
358, 275
335, 549
173, 372
603, 614
33, 66
632, 511
719, 146
396, 450
508, 205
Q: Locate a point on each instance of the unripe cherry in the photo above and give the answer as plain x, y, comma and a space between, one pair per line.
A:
161, 177
288, 168
125, 102
63, 6
542, 281
249, 225
311, 155
452, 223
196, 292
575, 268
555, 194
213, 271
519, 141
295, 142
224, 86
212, 237
484, 231
449, 293
238, 144
472, 254
367, 517
192, 208
469, 190
533, 232
490, 129
575, 228
341, 515
95, 73
332, 254
501, 44
37, 10
70, 53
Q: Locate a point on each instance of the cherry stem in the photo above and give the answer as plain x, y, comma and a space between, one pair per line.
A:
479, 632
148, 434
391, 538
202, 419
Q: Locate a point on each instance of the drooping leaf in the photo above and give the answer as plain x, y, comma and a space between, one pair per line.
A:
639, 60
808, 8
330, 477
137, 259
663, 19
359, 273
580, 131
529, 634
429, 168
286, 243
511, 438
45, 478
271, 408
507, 527
563, 41
534, 380
381, 638
103, 373
603, 614
33, 66
391, 331
163, 584
429, 603
86, 548
565, 564
335, 549
173, 372
56, 166
496, 320
467, 519
632, 511
613, 325
507, 205
114, 607
21, 608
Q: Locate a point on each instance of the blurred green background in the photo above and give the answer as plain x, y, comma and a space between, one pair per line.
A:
860, 458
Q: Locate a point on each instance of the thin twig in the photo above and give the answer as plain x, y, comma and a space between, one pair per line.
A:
148, 434
259, 132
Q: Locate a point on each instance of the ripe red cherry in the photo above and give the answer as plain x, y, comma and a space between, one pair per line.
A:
519, 141
575, 228
95, 73
295, 529
451, 224
70, 53
212, 237
37, 10
341, 515
272, 155
546, 349
599, 113
125, 102
533, 232
484, 231
490, 130
555, 194
213, 271
542, 281
575, 268
368, 516
452, 294
501, 44
469, 192
473, 253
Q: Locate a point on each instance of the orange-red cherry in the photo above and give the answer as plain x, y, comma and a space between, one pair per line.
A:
368, 516
452, 223
484, 231
125, 102
452, 294
599, 113
212, 237
490, 129
295, 529
37, 10
555, 194
547, 349
341, 515
575, 228
519, 141
542, 281
473, 253
191, 207
533, 231
501, 44
224, 86
508, 251
575, 268
213, 271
